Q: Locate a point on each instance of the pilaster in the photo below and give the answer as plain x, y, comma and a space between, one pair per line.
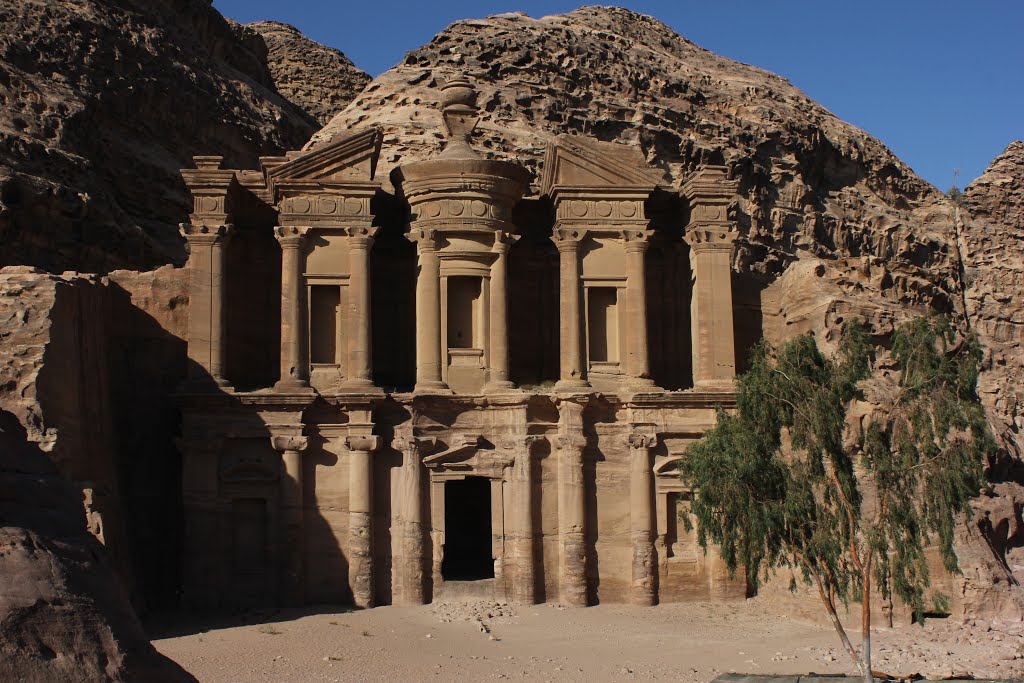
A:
498, 333
643, 589
361, 446
570, 444
428, 313
712, 237
294, 351
523, 534
293, 571
410, 566
572, 374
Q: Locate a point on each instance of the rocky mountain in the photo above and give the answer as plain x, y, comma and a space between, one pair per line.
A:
319, 79
101, 103
992, 239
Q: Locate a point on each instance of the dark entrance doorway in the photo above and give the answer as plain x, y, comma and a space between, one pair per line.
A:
467, 530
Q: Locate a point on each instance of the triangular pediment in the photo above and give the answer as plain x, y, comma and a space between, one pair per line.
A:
574, 161
351, 159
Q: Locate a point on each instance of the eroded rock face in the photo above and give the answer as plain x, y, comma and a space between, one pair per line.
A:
64, 615
319, 79
101, 103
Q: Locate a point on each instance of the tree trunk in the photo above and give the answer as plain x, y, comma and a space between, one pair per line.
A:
865, 625
837, 624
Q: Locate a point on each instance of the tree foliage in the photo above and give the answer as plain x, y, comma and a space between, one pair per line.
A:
785, 483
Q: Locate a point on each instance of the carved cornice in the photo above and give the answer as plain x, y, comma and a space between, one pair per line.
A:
600, 213
710, 184
289, 442
321, 207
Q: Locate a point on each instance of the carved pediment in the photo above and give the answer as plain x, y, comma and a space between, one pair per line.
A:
572, 161
350, 160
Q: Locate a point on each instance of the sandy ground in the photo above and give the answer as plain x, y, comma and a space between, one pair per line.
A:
478, 641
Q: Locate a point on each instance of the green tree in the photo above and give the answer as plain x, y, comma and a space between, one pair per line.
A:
781, 483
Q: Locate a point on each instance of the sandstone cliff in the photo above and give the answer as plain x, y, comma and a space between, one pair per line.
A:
101, 102
319, 79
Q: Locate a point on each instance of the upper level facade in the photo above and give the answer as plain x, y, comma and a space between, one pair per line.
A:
307, 277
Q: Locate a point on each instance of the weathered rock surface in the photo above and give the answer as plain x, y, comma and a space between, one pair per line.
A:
101, 103
64, 615
319, 79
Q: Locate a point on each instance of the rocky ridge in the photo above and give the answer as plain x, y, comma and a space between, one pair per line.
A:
101, 103
319, 79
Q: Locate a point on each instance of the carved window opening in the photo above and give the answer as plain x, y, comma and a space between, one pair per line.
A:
324, 327
468, 553
603, 324
464, 313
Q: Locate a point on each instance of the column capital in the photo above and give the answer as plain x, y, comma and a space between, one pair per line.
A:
361, 236
202, 233
503, 240
721, 238
640, 440
571, 441
513, 441
363, 443
405, 443
567, 239
636, 240
289, 442
291, 236
426, 239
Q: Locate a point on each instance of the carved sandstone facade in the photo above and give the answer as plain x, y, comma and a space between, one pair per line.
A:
455, 389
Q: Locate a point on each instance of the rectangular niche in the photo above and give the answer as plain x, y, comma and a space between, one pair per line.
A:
324, 327
465, 319
602, 324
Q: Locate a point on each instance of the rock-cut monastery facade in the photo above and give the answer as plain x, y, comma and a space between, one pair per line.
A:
452, 389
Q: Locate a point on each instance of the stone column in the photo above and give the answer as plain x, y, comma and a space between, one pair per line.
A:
206, 264
428, 314
202, 557
360, 320
572, 508
643, 590
409, 566
711, 236
638, 365
498, 333
294, 354
360, 526
572, 374
524, 578
293, 572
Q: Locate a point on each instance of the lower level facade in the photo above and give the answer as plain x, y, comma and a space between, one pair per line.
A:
407, 499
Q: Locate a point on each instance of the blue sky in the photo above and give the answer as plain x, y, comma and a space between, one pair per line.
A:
940, 82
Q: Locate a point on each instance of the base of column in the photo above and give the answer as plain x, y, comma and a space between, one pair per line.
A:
501, 387
293, 386
639, 383
432, 387
571, 385
715, 385
359, 386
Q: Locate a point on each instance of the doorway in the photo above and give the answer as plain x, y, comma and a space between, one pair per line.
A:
467, 523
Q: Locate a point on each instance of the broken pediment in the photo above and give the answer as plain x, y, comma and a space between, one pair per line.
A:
576, 162
350, 160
